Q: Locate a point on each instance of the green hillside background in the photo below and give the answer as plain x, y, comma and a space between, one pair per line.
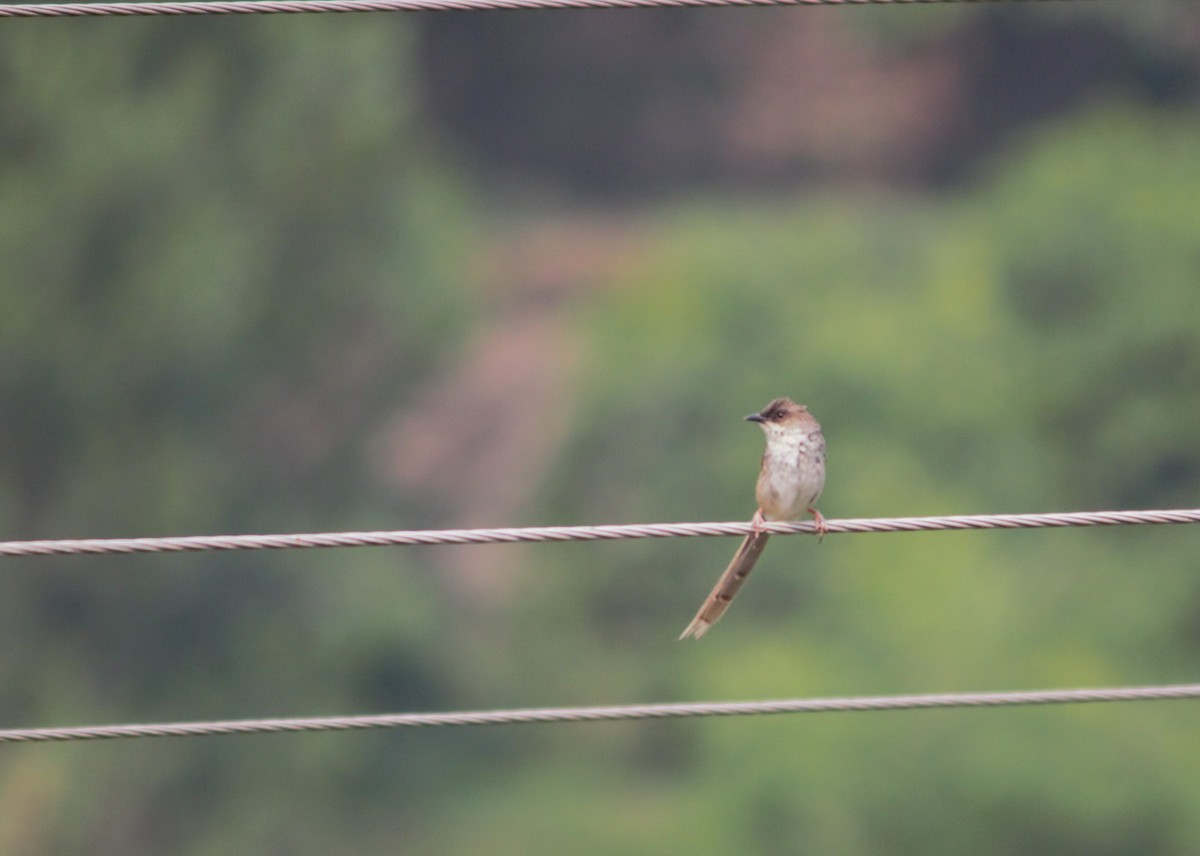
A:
349, 272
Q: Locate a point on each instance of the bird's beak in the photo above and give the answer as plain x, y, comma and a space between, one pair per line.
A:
755, 417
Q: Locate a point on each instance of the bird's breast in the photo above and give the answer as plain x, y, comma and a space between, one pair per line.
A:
792, 476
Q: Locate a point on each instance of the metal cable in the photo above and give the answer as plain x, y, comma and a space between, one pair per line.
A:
595, 714
200, 543
265, 7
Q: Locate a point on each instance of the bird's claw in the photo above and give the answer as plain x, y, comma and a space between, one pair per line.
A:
819, 525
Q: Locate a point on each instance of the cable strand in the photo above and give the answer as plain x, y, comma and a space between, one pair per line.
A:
291, 7
604, 714
534, 534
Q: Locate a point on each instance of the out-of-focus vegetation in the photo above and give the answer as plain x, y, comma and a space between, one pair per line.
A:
258, 278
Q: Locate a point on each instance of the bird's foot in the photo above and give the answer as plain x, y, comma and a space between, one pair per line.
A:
819, 524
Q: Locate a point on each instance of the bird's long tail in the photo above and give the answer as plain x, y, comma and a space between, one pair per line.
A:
727, 586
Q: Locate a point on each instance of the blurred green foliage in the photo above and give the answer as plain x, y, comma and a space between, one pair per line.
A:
233, 251
229, 252
1029, 346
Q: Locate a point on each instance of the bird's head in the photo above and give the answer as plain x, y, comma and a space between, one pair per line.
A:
781, 416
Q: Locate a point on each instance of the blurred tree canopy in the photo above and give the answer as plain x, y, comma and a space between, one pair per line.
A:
230, 250
243, 257
1031, 345
634, 104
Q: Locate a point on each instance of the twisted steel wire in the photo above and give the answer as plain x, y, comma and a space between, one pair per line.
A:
291, 7
597, 714
429, 537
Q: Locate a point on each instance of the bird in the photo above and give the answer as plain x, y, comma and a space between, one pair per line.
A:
790, 482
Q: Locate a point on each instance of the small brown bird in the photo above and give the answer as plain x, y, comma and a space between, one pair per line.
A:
789, 483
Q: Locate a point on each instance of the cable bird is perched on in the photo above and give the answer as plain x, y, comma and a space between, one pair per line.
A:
789, 483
